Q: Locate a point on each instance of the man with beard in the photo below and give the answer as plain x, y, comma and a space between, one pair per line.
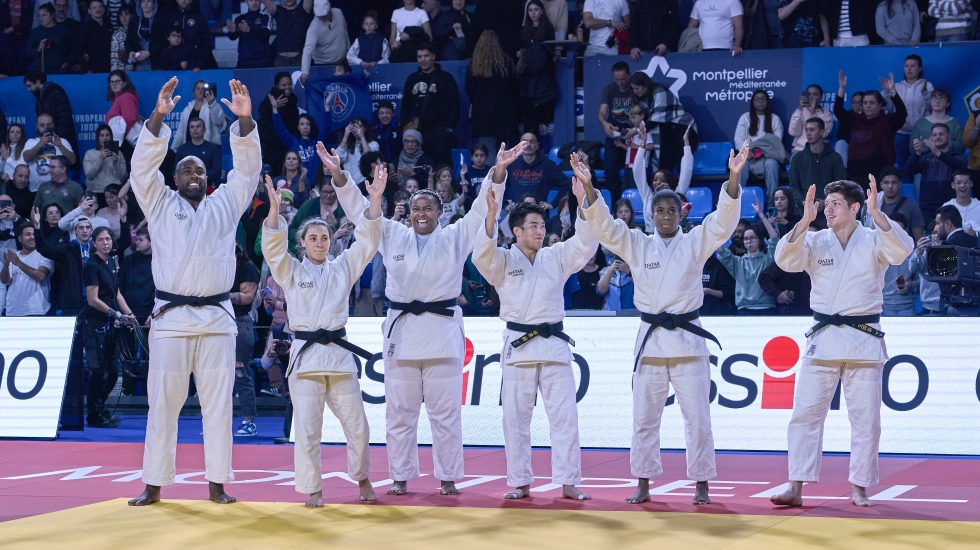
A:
193, 329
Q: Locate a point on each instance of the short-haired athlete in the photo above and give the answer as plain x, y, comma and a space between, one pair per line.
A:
846, 263
536, 355
670, 346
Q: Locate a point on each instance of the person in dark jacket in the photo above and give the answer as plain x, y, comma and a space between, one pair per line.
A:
93, 43
536, 67
67, 258
431, 103
719, 289
817, 164
52, 99
52, 40
14, 42
147, 36
654, 27
292, 20
872, 145
273, 150
535, 174
491, 84
178, 55
197, 33
137, 287
449, 28
253, 29
949, 223
387, 132
790, 290
861, 21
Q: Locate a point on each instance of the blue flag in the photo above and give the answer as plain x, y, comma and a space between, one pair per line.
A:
334, 101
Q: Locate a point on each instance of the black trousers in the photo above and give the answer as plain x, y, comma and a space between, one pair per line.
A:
99, 340
614, 161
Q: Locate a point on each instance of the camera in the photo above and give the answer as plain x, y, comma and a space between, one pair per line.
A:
281, 347
4, 204
957, 270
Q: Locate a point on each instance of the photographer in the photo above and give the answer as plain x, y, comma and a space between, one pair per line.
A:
103, 165
102, 313
206, 107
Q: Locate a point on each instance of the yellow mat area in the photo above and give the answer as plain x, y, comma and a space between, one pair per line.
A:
189, 524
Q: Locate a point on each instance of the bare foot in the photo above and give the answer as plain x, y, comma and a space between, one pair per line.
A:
150, 495
367, 491
792, 497
570, 491
642, 493
859, 497
316, 500
398, 488
701, 494
448, 488
519, 492
218, 494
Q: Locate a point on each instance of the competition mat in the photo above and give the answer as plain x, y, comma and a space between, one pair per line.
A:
74, 494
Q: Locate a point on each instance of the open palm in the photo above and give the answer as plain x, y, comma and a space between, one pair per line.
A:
165, 99
241, 103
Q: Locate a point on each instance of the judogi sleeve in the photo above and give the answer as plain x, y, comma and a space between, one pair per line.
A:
145, 176
893, 246
612, 233
276, 253
473, 221
488, 259
367, 237
245, 171
577, 251
794, 257
719, 225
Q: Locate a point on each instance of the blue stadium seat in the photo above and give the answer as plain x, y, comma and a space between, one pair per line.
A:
908, 191
456, 156
749, 196
551, 195
601, 174
553, 155
700, 199
606, 196
633, 196
711, 158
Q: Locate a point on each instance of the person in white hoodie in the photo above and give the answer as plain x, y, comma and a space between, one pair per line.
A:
193, 329
424, 342
536, 356
968, 206
206, 107
321, 365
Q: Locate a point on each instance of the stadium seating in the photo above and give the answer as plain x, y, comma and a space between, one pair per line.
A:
700, 199
749, 196
711, 159
633, 196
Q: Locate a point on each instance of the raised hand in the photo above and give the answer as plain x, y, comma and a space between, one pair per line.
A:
888, 86
757, 206
872, 201
578, 190
274, 103
687, 140
36, 217
842, 80
165, 100
462, 173
241, 103
492, 205
507, 156
272, 220
581, 170
376, 188
330, 158
810, 205
736, 162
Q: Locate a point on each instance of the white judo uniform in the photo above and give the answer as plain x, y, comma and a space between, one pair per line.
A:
531, 294
667, 278
846, 281
423, 354
193, 255
317, 296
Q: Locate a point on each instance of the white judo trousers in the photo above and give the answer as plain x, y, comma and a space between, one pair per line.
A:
518, 395
861, 381
691, 379
439, 383
211, 358
342, 394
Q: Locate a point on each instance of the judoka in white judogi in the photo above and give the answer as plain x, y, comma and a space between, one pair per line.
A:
193, 256
536, 355
846, 264
666, 268
321, 367
423, 333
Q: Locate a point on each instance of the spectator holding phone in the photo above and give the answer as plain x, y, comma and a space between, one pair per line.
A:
103, 164
605, 17
206, 107
616, 284
86, 208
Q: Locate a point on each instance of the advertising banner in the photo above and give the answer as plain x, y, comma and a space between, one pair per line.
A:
930, 386
34, 355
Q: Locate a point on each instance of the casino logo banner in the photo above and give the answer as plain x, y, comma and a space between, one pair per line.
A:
929, 397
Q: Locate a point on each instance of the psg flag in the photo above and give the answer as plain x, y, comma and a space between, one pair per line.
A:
334, 101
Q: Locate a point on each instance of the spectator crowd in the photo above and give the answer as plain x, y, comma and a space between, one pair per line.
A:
52, 228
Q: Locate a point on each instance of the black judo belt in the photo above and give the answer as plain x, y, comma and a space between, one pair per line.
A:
446, 308
671, 321
326, 337
533, 331
176, 300
859, 322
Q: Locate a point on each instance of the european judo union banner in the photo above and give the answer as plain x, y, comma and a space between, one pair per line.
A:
334, 101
